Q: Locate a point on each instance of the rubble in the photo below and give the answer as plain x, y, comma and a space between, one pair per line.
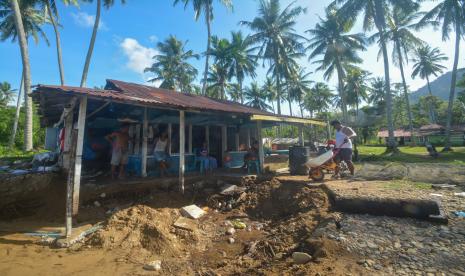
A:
192, 211
301, 257
153, 265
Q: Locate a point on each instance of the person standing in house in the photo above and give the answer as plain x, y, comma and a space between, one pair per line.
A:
161, 152
119, 155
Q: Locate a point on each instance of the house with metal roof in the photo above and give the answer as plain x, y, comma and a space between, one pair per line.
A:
85, 115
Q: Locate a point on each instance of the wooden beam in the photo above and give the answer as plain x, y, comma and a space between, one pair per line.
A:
190, 138
98, 109
78, 159
145, 127
207, 137
67, 145
170, 134
182, 149
137, 141
224, 139
261, 153
236, 139
293, 120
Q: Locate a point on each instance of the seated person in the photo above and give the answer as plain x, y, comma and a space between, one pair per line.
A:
209, 162
252, 154
160, 152
227, 160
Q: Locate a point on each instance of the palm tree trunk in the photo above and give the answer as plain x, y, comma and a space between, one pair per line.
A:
241, 92
458, 36
290, 105
18, 110
28, 145
278, 93
301, 108
340, 77
407, 101
432, 113
91, 45
58, 43
381, 25
207, 55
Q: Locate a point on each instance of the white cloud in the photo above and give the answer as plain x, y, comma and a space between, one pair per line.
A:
139, 57
86, 20
153, 38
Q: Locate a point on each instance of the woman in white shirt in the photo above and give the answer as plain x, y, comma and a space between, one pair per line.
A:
161, 152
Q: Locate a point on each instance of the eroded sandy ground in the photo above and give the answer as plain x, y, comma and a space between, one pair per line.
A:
282, 216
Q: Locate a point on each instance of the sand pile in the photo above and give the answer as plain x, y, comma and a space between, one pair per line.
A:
142, 227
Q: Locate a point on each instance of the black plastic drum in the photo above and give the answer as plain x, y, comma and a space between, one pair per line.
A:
298, 156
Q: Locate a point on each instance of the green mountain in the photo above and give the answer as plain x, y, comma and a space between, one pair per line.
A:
439, 87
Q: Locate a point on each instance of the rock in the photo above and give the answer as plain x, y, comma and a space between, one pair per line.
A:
443, 186
231, 240
185, 224
153, 266
301, 257
231, 190
103, 195
47, 241
230, 231
97, 204
192, 211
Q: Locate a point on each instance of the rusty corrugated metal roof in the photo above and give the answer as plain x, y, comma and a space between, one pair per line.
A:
143, 94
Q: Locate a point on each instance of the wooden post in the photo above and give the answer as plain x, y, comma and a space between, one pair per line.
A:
224, 138
170, 133
248, 138
190, 139
131, 135
68, 135
78, 159
182, 149
301, 135
69, 183
261, 154
145, 127
207, 137
236, 137
137, 143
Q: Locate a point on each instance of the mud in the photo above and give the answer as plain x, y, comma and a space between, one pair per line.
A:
280, 219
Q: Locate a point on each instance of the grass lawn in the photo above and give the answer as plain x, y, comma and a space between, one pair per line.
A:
12, 154
411, 155
402, 184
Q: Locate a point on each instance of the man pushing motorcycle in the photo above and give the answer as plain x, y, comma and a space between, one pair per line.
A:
343, 146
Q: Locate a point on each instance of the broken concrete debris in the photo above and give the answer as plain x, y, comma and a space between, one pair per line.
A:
192, 211
230, 231
231, 240
231, 190
301, 257
153, 266
185, 224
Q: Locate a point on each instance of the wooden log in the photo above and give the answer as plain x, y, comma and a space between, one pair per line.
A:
78, 157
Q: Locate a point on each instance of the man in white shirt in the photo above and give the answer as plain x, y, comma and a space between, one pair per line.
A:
343, 146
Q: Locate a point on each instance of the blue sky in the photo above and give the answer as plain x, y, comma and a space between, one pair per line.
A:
129, 33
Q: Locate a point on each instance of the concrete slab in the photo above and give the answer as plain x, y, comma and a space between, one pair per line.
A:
192, 211
185, 224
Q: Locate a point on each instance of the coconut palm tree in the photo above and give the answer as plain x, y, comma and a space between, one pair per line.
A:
356, 88
427, 62
256, 97
318, 98
205, 8
222, 60
400, 25
107, 4
374, 15
6, 93
269, 88
172, 65
377, 91
235, 92
273, 30
243, 61
217, 82
50, 6
330, 40
299, 85
450, 15
20, 19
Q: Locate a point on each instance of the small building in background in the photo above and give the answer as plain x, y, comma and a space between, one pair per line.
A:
432, 133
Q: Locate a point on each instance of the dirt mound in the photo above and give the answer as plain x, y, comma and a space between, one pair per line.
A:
142, 227
273, 200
